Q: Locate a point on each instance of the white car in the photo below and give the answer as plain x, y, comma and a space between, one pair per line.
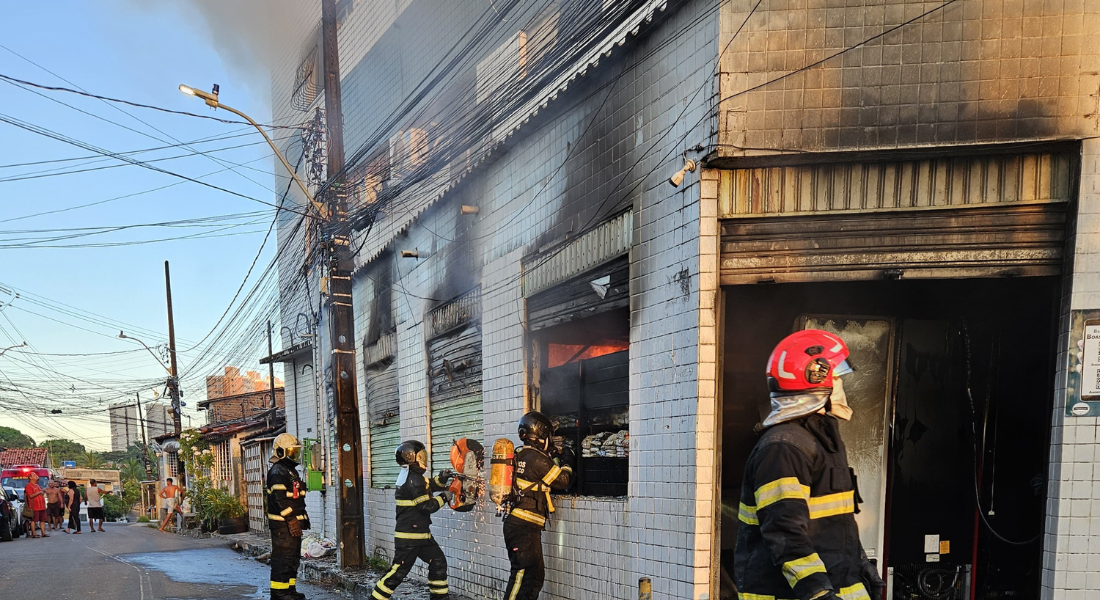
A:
11, 515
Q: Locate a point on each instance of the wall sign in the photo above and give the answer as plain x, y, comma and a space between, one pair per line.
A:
1083, 380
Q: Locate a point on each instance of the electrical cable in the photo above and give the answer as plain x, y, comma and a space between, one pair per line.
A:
62, 138
127, 102
974, 438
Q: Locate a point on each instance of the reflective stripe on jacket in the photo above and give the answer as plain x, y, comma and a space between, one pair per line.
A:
286, 493
535, 475
415, 505
797, 534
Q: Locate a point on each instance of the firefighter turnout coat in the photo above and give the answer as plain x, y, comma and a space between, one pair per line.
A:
535, 475
286, 494
797, 535
415, 505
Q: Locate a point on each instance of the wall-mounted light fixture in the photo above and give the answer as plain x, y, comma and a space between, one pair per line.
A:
678, 178
410, 254
470, 210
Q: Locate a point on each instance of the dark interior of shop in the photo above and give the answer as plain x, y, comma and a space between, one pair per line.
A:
967, 372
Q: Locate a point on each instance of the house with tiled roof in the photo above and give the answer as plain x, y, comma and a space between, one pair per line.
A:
25, 456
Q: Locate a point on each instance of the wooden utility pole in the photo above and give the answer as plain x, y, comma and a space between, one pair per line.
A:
144, 440
349, 459
174, 382
271, 367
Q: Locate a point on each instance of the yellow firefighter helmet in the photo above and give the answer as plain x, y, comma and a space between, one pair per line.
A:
285, 446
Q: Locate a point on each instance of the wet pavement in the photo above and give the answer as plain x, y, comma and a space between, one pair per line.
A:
133, 562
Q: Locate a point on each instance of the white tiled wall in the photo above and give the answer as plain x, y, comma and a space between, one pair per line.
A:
1071, 546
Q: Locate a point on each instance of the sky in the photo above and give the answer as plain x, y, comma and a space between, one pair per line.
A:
72, 301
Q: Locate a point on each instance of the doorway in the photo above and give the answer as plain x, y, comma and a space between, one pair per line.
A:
959, 377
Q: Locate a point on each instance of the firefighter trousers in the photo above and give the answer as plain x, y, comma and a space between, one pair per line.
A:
524, 543
286, 555
404, 557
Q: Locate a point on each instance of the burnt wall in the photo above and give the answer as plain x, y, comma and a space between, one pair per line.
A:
973, 71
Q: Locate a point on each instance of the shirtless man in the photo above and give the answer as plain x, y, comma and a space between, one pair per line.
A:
54, 509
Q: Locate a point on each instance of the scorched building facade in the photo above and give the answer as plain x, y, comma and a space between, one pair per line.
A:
919, 177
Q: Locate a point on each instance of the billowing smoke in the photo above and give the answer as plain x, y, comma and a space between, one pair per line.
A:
245, 33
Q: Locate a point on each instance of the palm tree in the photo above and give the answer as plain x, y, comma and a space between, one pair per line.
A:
133, 470
91, 460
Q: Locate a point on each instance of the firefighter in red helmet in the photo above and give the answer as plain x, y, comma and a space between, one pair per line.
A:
798, 536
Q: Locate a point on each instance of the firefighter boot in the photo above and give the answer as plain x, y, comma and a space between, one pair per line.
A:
294, 593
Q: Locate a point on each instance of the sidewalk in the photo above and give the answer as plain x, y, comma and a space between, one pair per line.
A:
357, 582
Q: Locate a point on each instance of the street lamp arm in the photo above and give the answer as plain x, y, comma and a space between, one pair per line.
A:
10, 347
122, 335
212, 101
320, 207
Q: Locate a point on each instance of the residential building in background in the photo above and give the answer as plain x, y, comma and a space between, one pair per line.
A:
126, 423
233, 383
247, 405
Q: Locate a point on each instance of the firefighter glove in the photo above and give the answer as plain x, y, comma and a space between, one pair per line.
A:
447, 475
295, 528
871, 580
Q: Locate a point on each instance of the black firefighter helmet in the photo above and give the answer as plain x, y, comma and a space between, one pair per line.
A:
413, 454
535, 430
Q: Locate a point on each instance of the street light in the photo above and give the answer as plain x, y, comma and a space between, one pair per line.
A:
122, 336
211, 100
10, 347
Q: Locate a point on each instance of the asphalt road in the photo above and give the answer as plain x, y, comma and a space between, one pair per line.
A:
132, 562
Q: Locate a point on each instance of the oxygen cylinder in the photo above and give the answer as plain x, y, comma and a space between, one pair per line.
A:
500, 471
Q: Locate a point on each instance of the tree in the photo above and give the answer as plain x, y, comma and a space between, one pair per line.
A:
133, 470
13, 438
91, 460
63, 449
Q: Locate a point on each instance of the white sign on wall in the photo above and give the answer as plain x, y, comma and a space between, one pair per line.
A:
1090, 361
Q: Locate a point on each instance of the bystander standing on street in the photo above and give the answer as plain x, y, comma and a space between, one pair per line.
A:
37, 500
54, 508
169, 494
74, 508
95, 505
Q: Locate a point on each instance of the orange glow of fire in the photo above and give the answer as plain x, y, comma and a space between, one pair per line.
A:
560, 354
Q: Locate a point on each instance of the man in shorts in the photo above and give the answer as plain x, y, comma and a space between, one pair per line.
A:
171, 503
95, 504
37, 499
54, 508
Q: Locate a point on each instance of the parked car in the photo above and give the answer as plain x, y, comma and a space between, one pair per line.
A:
11, 515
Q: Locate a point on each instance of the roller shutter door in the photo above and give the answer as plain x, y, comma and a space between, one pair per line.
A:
383, 401
978, 216
454, 375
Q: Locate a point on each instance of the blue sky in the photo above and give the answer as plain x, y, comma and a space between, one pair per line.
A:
114, 48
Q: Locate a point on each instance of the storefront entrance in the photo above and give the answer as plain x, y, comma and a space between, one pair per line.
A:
953, 397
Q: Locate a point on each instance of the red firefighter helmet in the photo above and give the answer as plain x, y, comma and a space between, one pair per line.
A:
807, 360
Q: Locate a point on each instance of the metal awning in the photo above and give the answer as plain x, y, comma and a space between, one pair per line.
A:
289, 354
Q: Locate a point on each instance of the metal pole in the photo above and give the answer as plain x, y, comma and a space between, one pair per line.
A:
144, 440
271, 366
348, 438
174, 383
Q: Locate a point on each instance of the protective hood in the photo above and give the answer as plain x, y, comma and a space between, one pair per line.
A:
787, 407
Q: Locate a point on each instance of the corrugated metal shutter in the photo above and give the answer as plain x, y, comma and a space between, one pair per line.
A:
606, 241
903, 185
384, 408
454, 375
990, 241
578, 299
254, 464
384, 440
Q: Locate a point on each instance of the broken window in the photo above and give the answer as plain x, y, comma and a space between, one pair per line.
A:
584, 387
